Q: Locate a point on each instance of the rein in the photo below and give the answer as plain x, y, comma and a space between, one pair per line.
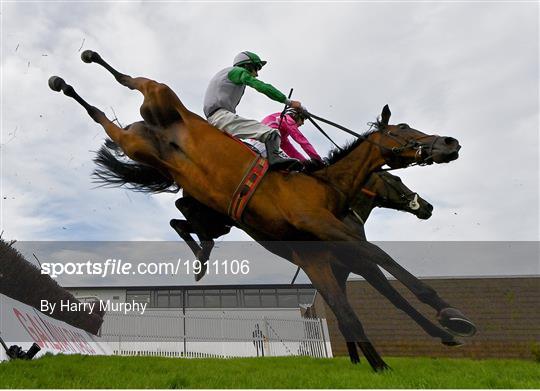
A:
323, 132
312, 116
284, 111
406, 144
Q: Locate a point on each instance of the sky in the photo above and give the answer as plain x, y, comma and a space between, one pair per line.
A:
461, 69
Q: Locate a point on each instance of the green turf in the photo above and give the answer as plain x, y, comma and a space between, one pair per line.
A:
286, 372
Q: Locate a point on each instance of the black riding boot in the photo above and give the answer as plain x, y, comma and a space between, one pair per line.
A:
276, 160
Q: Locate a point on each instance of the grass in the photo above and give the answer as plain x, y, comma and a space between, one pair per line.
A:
275, 372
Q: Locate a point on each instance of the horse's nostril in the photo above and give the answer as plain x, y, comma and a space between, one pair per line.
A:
450, 140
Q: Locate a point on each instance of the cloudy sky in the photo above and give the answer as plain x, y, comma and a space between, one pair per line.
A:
467, 70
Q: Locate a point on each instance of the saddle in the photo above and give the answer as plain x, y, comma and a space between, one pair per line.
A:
252, 147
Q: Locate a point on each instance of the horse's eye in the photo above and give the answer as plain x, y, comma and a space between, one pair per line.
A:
403, 126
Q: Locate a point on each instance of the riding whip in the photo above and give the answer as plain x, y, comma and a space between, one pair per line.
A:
284, 110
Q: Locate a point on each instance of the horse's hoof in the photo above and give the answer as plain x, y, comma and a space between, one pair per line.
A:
354, 360
353, 352
453, 342
382, 368
88, 56
457, 323
202, 272
56, 83
199, 276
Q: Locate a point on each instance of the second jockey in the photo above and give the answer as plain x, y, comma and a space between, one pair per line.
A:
288, 125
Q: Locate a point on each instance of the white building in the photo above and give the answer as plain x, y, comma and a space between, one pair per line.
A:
203, 321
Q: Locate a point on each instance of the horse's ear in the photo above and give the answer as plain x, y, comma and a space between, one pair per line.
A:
385, 115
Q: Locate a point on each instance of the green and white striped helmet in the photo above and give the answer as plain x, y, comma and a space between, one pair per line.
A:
248, 58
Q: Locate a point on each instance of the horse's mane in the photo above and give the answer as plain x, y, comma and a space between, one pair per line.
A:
337, 154
114, 171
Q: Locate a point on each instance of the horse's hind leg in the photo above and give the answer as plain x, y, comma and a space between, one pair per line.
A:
113, 131
161, 106
133, 83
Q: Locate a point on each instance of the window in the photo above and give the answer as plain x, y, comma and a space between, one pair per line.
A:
211, 299
222, 298
142, 297
252, 298
269, 300
162, 300
306, 296
229, 300
175, 300
195, 299
287, 298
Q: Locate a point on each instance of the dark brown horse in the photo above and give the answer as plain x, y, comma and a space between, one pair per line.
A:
172, 146
381, 190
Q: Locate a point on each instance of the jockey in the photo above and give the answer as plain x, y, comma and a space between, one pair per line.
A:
288, 127
223, 95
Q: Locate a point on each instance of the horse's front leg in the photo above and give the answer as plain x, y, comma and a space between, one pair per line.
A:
206, 223
377, 279
323, 279
350, 248
450, 318
341, 274
422, 291
184, 230
202, 252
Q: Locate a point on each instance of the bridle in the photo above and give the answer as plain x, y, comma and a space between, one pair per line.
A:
411, 198
423, 151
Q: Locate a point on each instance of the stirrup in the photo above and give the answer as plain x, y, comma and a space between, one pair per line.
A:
287, 165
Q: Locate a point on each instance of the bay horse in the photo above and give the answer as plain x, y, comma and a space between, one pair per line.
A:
171, 143
382, 189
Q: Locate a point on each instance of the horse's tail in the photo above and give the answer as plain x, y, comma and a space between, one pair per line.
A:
112, 171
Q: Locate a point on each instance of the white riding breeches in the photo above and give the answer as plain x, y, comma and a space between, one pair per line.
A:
240, 127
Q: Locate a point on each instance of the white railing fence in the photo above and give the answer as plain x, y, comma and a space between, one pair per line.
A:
173, 334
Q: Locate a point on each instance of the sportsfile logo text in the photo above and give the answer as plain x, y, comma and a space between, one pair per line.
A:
112, 267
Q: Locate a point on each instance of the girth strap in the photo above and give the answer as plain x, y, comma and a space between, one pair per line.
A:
247, 187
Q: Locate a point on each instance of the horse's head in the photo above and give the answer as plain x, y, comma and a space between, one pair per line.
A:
402, 145
390, 192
